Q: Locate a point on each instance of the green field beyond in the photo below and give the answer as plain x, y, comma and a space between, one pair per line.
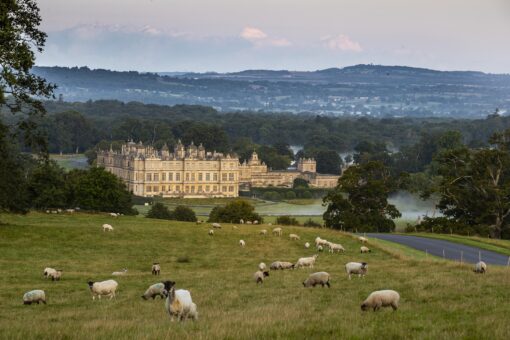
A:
439, 299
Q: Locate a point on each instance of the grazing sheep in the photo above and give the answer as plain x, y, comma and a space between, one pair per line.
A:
107, 227
480, 267
107, 288
70, 211
123, 272
363, 239
281, 265
256, 222
248, 222
242, 243
48, 271
277, 231
263, 232
306, 261
157, 289
34, 296
294, 237
335, 247
259, 276
114, 214
320, 242
156, 268
307, 245
320, 248
216, 225
365, 250
211, 232
241, 221
262, 266
56, 275
234, 227
356, 268
381, 298
179, 303
198, 222
320, 278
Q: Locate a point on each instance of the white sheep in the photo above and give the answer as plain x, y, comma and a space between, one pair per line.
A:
260, 275
356, 268
364, 250
156, 268
216, 225
56, 275
34, 296
255, 222
320, 242
263, 232
122, 272
179, 303
480, 267
320, 278
294, 237
320, 248
281, 265
49, 271
363, 239
277, 231
262, 266
157, 289
381, 298
211, 232
241, 221
234, 227
107, 227
335, 247
307, 245
70, 211
107, 288
114, 215
306, 261
242, 243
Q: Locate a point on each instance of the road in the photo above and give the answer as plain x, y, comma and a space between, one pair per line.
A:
451, 250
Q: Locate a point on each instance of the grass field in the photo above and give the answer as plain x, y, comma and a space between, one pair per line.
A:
71, 161
439, 299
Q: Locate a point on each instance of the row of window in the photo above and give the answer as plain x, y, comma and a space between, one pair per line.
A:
188, 188
155, 177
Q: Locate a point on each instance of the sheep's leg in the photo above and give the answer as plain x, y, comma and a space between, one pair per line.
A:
394, 305
329, 286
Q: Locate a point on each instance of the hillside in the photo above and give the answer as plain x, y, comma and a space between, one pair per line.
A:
439, 300
369, 90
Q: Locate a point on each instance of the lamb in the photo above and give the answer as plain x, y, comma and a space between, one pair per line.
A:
107, 288
56, 275
363, 239
263, 232
123, 272
335, 246
480, 267
107, 227
320, 242
179, 303
356, 268
157, 289
259, 276
211, 232
277, 231
156, 268
242, 243
306, 261
294, 237
48, 271
281, 265
307, 245
216, 225
365, 250
381, 298
262, 266
34, 296
320, 278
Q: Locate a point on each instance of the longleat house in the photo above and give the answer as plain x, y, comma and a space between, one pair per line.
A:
194, 172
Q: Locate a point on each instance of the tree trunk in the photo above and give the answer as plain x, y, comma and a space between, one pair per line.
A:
495, 229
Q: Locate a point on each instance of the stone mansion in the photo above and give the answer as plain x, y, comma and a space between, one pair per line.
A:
193, 172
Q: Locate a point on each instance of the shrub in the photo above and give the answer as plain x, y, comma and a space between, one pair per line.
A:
290, 195
286, 220
233, 212
272, 196
312, 223
306, 194
300, 183
183, 213
160, 211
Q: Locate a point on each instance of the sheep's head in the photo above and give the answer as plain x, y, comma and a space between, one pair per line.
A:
266, 273
90, 283
364, 307
364, 265
169, 284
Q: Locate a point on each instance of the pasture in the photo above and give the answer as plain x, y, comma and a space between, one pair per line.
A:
439, 299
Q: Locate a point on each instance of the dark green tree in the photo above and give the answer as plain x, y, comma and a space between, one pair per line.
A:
46, 186
300, 183
360, 200
184, 213
233, 212
328, 162
159, 211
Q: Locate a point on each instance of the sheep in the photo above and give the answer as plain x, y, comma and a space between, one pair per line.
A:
107, 288
320, 278
262, 266
381, 298
277, 231
294, 237
70, 211
356, 268
123, 272
107, 227
364, 250
56, 275
306, 261
234, 227
307, 245
480, 267
263, 232
34, 296
259, 276
241, 221
248, 222
335, 246
363, 239
216, 225
114, 214
211, 232
320, 242
281, 265
320, 248
198, 222
242, 243
256, 222
156, 268
48, 271
179, 303
157, 289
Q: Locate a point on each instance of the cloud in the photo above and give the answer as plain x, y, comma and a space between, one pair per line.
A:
259, 38
253, 34
341, 42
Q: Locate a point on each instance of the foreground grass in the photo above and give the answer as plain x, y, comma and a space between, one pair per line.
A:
439, 299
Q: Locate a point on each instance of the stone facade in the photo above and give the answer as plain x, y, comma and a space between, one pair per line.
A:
193, 172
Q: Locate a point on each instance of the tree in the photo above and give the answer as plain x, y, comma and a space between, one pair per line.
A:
300, 183
360, 200
159, 211
328, 162
233, 212
286, 220
46, 186
183, 213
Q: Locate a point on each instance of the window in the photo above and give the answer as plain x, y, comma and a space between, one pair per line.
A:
231, 188
155, 189
223, 177
207, 176
224, 188
187, 176
231, 177
215, 177
178, 176
207, 188
215, 188
149, 177
178, 188
193, 176
170, 176
192, 189
199, 188
156, 177
200, 176
163, 176
163, 188
149, 188
186, 189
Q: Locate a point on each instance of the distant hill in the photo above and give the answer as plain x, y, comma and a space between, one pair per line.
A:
355, 90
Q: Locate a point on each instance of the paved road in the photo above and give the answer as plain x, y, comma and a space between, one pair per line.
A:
452, 250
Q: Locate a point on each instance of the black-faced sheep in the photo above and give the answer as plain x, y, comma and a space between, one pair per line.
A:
242, 243
356, 268
179, 303
48, 271
56, 275
381, 298
364, 250
319, 278
106, 288
260, 275
156, 268
480, 267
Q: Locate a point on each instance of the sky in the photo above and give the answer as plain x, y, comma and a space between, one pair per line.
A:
234, 35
